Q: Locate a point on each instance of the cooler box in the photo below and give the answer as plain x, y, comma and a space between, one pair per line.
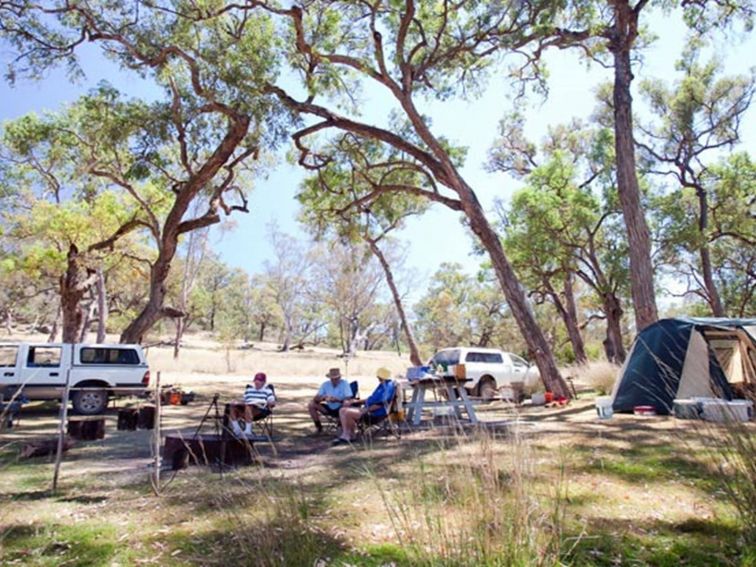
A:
723, 411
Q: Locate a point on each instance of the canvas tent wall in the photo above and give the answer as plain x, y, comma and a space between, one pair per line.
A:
680, 358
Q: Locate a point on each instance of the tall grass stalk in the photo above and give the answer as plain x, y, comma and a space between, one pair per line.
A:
271, 524
733, 446
477, 507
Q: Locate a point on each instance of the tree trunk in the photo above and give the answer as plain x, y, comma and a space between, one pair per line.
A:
641, 269
72, 290
54, 329
88, 314
9, 320
568, 312
712, 294
262, 332
411, 344
287, 336
613, 347
102, 306
177, 337
538, 347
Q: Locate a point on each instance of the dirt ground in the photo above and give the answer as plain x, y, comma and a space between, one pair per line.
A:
633, 483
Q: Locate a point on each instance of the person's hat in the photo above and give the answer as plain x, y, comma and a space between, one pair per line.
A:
334, 373
261, 376
383, 373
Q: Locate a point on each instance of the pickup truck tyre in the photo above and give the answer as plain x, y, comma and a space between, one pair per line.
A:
487, 389
90, 402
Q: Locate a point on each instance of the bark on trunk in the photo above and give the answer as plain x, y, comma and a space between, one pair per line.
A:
88, 314
712, 293
9, 321
177, 338
408, 334
613, 347
568, 312
54, 330
641, 269
102, 307
262, 332
538, 346
73, 285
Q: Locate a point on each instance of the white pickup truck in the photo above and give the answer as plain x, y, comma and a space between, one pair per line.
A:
95, 372
489, 369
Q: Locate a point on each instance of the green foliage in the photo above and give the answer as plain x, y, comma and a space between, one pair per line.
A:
461, 310
565, 223
352, 195
701, 217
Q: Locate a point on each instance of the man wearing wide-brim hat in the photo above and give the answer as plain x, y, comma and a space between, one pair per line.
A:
374, 410
330, 397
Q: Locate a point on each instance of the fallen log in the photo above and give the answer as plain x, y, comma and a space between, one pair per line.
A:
44, 447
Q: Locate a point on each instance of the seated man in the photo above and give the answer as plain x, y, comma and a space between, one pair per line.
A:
259, 400
374, 410
329, 398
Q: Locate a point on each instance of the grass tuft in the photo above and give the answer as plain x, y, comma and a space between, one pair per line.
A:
487, 509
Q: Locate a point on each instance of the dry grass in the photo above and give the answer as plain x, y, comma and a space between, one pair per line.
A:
598, 376
635, 493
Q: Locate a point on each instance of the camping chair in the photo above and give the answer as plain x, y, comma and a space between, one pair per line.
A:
389, 424
261, 424
333, 423
264, 423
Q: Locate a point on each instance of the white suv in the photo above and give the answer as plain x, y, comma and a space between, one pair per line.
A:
490, 369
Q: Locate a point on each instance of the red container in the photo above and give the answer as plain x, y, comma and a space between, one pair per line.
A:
644, 410
549, 396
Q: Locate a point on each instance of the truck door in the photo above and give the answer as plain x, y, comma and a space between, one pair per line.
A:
8, 366
42, 371
519, 368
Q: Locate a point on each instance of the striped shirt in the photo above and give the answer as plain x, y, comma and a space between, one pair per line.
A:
259, 397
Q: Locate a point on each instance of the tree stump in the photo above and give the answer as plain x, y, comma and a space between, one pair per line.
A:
146, 418
86, 428
128, 418
44, 447
206, 450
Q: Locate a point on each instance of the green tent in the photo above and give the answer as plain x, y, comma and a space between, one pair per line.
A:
686, 358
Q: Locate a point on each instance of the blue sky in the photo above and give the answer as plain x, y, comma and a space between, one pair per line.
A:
437, 236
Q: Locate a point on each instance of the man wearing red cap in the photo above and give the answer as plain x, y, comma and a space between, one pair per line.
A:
259, 400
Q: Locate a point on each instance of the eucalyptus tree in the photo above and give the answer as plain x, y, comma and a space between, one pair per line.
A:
199, 137
564, 223
262, 306
195, 252
459, 309
346, 280
66, 226
289, 284
410, 52
339, 199
612, 34
694, 121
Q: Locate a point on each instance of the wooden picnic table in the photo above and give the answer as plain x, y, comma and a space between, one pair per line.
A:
456, 397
